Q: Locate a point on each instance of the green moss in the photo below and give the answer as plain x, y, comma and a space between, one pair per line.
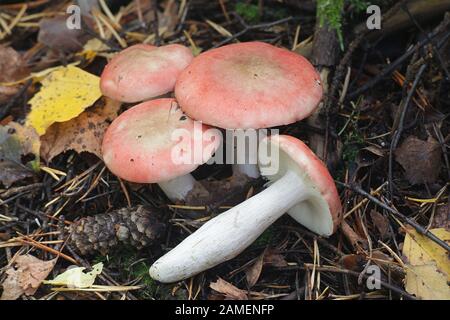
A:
265, 238
248, 11
330, 12
353, 142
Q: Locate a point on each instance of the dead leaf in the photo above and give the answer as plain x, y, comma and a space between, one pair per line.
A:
253, 272
16, 143
25, 276
76, 277
442, 217
274, 258
427, 265
353, 262
380, 222
54, 33
355, 239
82, 134
66, 92
228, 290
12, 68
420, 159
375, 150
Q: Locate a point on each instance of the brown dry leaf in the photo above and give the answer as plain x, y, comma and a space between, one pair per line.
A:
353, 237
16, 144
380, 222
253, 272
442, 217
25, 276
82, 134
420, 159
12, 68
228, 290
54, 33
274, 258
353, 262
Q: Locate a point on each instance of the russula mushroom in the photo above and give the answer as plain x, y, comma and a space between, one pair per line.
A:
302, 186
248, 85
142, 72
154, 142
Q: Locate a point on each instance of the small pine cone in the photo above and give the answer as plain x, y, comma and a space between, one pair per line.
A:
138, 226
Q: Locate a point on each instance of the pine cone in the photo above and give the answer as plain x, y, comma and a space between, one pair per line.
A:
138, 226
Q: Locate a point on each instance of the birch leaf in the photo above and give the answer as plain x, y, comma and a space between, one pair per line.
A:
65, 93
428, 265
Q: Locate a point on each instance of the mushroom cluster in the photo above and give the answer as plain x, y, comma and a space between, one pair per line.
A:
250, 85
138, 145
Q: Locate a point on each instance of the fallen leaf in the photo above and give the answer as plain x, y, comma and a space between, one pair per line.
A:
76, 277
65, 93
92, 48
12, 68
228, 290
420, 159
54, 33
253, 272
272, 257
353, 237
353, 262
375, 150
380, 222
442, 217
25, 276
16, 143
427, 265
82, 134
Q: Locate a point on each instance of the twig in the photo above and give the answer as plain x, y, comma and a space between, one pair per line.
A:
251, 27
393, 66
436, 52
348, 272
399, 131
404, 218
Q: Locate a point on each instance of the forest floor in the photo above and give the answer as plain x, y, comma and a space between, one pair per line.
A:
384, 125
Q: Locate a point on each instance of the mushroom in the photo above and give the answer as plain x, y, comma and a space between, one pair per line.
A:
142, 72
301, 185
154, 142
249, 85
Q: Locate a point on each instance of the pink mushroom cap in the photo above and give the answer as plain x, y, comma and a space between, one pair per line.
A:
142, 72
154, 142
322, 212
249, 85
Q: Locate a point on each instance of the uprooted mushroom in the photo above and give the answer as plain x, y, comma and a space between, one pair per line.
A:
300, 184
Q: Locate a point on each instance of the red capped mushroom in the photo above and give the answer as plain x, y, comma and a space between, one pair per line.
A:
155, 142
300, 185
142, 72
249, 85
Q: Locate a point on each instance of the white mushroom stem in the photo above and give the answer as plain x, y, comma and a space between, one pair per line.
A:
225, 236
250, 170
247, 165
178, 188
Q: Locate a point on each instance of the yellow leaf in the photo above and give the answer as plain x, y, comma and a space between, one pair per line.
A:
428, 265
83, 133
76, 278
65, 93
